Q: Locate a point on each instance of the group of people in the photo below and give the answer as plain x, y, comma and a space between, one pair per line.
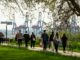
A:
53, 40
26, 37
46, 41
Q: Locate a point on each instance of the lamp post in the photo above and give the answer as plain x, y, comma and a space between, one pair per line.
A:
7, 23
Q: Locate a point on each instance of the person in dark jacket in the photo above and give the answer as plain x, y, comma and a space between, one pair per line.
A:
64, 41
33, 40
45, 39
51, 40
1, 37
26, 38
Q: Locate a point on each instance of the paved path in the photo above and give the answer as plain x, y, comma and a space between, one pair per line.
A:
68, 53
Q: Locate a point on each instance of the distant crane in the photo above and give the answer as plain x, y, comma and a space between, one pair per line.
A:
74, 26
14, 24
40, 21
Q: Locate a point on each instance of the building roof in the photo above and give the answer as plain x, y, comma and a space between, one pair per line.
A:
21, 27
35, 27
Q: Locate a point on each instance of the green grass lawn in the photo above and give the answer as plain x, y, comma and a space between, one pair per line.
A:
9, 53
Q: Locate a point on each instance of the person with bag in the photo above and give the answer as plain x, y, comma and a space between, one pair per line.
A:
19, 38
33, 40
56, 41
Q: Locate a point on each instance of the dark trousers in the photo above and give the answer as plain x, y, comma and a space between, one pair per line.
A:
26, 43
32, 44
19, 42
45, 44
56, 46
64, 45
50, 44
1, 40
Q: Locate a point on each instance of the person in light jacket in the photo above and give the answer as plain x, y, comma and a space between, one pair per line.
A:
56, 42
19, 38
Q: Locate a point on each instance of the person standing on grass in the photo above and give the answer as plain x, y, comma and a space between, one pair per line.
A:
33, 40
26, 38
64, 41
51, 40
1, 37
45, 39
19, 38
56, 41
